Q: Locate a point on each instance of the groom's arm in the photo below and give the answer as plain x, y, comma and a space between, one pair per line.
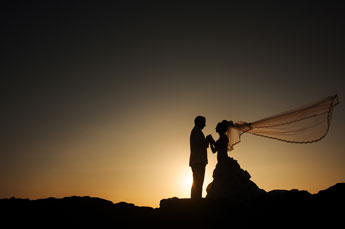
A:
213, 148
204, 142
199, 141
212, 143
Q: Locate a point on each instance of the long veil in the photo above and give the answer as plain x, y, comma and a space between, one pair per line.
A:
306, 124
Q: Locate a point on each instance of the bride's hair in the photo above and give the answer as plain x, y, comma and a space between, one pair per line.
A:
222, 126
230, 123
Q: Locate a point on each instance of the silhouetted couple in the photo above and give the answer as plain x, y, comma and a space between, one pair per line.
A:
198, 151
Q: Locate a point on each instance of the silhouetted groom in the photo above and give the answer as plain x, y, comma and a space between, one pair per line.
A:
198, 156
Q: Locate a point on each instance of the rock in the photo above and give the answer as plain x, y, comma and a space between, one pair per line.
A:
333, 197
278, 208
230, 182
334, 192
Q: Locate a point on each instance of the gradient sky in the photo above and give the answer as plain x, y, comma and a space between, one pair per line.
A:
100, 99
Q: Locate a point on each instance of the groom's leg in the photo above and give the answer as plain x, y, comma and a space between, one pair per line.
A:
195, 178
198, 181
201, 180
192, 191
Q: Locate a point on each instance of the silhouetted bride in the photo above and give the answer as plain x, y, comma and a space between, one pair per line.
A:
230, 181
221, 145
303, 125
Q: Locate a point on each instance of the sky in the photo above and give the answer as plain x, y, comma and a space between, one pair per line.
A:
99, 100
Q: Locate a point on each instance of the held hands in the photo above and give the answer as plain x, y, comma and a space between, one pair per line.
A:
209, 138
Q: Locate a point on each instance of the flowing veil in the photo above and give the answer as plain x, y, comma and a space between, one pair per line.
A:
306, 124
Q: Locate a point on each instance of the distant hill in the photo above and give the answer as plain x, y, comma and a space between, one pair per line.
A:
275, 209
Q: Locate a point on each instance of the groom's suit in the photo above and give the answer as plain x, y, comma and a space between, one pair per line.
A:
198, 160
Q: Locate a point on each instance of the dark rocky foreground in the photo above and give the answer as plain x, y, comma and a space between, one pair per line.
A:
274, 209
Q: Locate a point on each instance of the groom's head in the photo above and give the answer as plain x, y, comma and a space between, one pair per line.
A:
200, 122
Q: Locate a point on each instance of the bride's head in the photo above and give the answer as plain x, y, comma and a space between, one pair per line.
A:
222, 127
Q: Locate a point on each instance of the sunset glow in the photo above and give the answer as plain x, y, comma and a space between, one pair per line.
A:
100, 101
